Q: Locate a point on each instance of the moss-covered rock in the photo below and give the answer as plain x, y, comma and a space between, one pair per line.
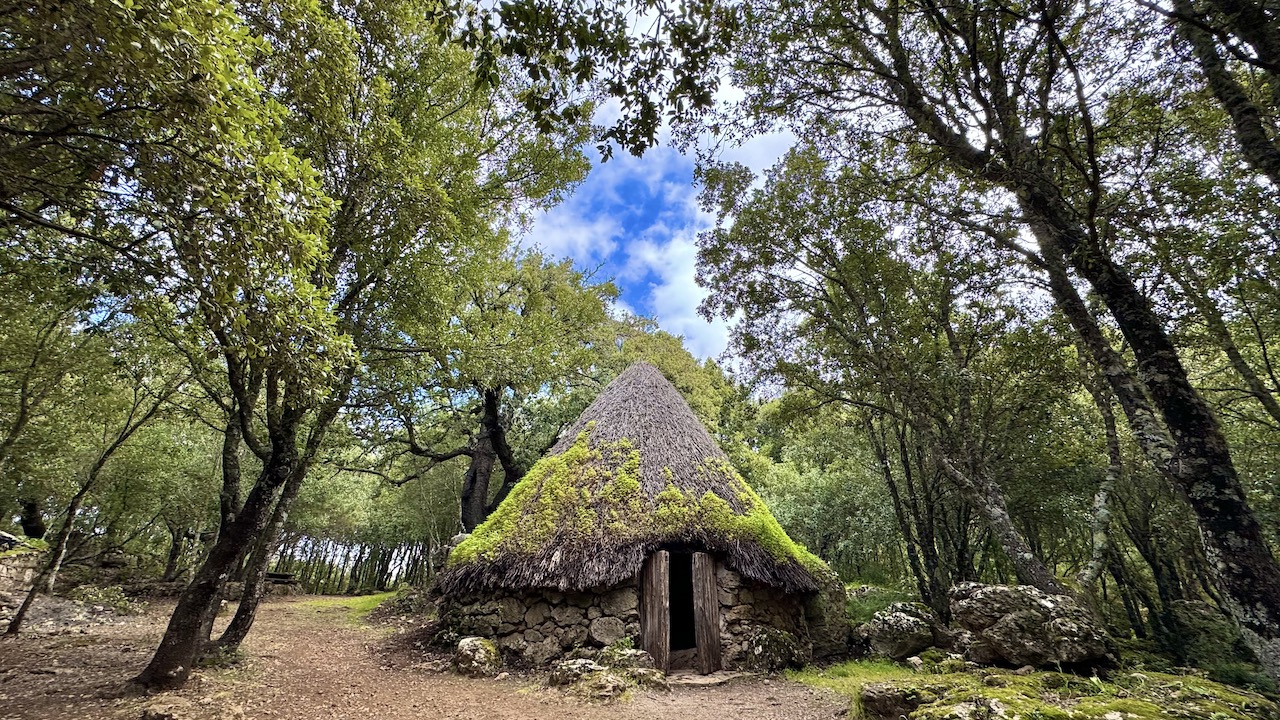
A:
1024, 626
901, 630
883, 691
770, 649
477, 657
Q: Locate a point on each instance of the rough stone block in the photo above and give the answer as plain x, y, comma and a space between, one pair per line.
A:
607, 630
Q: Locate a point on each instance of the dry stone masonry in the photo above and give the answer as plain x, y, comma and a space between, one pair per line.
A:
536, 627
760, 627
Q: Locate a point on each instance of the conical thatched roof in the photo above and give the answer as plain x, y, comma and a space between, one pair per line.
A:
636, 473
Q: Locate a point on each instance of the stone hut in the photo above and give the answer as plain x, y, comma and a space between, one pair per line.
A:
636, 526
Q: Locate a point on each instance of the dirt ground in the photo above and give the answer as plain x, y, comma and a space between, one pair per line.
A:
315, 663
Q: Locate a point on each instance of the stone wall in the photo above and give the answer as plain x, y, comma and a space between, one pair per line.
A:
18, 571
748, 608
537, 627
540, 626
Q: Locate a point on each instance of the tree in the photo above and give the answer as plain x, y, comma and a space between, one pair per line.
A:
1035, 127
830, 299
524, 329
422, 168
142, 392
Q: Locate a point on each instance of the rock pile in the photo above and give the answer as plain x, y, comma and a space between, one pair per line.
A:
614, 671
1013, 625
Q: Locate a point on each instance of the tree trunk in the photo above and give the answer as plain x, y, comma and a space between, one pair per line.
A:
1247, 119
985, 497
33, 520
177, 541
1100, 537
49, 573
255, 578
187, 632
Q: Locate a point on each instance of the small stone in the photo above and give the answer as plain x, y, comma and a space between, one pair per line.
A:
568, 614
916, 663
607, 630
537, 614
1024, 670
593, 613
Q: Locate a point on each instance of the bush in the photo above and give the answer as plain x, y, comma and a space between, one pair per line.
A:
110, 596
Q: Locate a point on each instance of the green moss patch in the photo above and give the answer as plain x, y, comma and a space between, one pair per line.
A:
1045, 695
595, 495
27, 546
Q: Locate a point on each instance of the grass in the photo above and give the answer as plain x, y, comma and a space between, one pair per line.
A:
357, 607
1044, 695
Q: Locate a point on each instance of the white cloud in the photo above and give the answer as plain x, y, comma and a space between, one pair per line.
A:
566, 231
673, 299
653, 258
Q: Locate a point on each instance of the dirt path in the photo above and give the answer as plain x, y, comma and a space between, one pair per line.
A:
308, 663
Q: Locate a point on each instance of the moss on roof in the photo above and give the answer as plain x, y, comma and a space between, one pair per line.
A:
589, 514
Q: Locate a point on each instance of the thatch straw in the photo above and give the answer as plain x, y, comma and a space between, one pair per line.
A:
586, 516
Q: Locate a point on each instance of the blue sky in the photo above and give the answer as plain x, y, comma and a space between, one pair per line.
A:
636, 221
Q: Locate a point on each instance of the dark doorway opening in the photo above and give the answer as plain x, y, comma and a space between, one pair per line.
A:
683, 634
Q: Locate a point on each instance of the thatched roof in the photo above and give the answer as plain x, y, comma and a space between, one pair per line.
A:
638, 472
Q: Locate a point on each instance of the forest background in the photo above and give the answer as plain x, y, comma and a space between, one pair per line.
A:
1005, 311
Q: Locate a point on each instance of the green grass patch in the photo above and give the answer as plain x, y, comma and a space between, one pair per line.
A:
1044, 695
357, 607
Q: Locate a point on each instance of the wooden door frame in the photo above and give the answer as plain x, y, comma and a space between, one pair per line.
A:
655, 609
706, 612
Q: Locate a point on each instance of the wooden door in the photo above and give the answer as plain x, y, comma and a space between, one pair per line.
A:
706, 612
655, 610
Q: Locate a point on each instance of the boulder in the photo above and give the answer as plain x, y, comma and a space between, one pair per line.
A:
537, 614
622, 657
607, 630
648, 678
572, 636
477, 657
541, 653
597, 682
568, 614
510, 610
620, 602
568, 672
602, 685
1021, 626
901, 630
890, 702
769, 649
